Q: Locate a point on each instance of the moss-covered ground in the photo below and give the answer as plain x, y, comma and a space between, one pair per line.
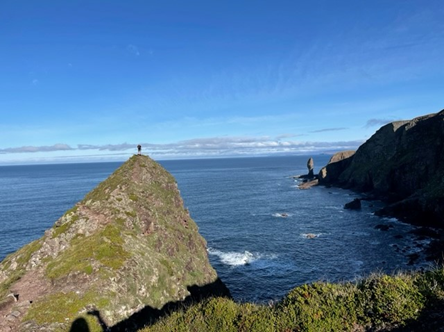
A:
63, 307
379, 302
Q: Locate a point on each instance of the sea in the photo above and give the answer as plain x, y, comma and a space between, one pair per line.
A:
264, 235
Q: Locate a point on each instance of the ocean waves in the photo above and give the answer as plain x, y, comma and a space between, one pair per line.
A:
233, 258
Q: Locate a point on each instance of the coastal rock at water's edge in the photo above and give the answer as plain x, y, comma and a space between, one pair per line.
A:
403, 162
308, 180
307, 184
127, 246
353, 205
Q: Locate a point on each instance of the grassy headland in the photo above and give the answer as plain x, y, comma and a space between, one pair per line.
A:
403, 302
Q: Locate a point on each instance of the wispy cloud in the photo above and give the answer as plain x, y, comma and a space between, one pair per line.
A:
377, 122
208, 147
244, 146
107, 147
288, 136
33, 149
328, 129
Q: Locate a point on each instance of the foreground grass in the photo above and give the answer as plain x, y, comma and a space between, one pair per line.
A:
376, 303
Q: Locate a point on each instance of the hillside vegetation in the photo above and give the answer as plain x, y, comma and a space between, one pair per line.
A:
404, 302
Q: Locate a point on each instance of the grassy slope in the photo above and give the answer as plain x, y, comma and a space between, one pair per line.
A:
408, 302
129, 243
173, 254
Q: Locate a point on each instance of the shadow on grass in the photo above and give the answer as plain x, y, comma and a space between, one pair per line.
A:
79, 325
431, 319
149, 316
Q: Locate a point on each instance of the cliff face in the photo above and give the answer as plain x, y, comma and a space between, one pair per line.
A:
129, 244
337, 164
404, 162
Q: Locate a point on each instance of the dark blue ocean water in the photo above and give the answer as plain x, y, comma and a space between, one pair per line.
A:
249, 210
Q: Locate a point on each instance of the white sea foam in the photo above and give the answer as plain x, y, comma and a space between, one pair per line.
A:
311, 235
334, 207
282, 215
233, 258
238, 258
393, 220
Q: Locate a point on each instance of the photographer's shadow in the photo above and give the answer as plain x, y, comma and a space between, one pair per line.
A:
149, 315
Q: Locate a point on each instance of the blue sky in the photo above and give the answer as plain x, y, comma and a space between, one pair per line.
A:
89, 80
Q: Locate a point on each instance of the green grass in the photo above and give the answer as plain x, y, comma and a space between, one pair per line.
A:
131, 214
104, 248
63, 308
375, 302
63, 228
72, 210
133, 197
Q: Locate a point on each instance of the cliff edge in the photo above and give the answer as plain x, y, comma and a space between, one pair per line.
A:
403, 162
128, 245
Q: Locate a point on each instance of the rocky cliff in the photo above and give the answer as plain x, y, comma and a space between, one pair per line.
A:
402, 162
128, 245
337, 164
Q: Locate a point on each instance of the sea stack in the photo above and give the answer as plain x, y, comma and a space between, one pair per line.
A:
128, 246
310, 166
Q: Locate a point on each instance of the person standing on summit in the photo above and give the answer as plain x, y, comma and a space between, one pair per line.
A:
139, 149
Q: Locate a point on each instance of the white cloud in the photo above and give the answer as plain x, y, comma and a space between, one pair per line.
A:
32, 149
210, 147
196, 148
231, 146
107, 147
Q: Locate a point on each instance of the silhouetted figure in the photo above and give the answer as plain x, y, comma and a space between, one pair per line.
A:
79, 325
139, 149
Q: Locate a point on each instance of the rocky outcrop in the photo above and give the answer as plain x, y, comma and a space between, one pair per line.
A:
310, 179
402, 162
307, 184
129, 245
337, 164
353, 205
310, 166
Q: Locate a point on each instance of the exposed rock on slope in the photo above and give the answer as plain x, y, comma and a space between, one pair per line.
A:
337, 164
130, 243
403, 162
